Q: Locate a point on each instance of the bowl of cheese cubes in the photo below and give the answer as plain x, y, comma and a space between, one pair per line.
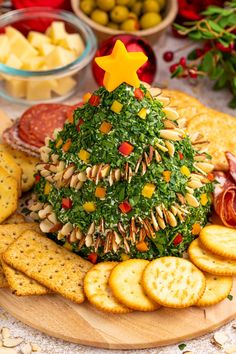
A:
43, 55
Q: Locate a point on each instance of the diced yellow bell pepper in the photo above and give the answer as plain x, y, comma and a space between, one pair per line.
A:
166, 175
124, 256
89, 207
67, 145
47, 188
105, 127
148, 190
204, 199
100, 192
148, 95
59, 143
185, 171
86, 97
142, 113
84, 155
116, 107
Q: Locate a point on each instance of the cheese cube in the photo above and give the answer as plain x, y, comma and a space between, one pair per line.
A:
4, 47
33, 63
19, 44
59, 57
73, 42
16, 88
39, 90
46, 48
13, 61
56, 31
64, 85
36, 39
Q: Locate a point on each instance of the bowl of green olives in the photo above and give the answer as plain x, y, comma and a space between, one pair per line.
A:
145, 18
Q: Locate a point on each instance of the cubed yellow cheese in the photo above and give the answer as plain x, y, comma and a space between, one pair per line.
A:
39, 90
64, 85
4, 47
59, 57
16, 88
46, 48
73, 42
19, 44
13, 61
33, 63
36, 39
56, 31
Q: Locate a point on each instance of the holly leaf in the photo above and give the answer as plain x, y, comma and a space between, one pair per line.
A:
192, 55
221, 82
195, 35
207, 62
232, 103
216, 72
227, 21
177, 72
215, 26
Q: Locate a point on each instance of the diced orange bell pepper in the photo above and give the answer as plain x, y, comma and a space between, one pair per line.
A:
86, 97
105, 127
142, 246
125, 148
67, 145
47, 188
196, 229
100, 192
166, 175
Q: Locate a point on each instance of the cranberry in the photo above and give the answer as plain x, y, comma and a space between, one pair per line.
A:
225, 49
173, 67
182, 62
199, 52
168, 56
207, 47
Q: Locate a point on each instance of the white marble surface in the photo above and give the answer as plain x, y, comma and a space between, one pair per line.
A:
202, 345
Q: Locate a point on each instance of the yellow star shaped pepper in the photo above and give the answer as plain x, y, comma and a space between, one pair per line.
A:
121, 66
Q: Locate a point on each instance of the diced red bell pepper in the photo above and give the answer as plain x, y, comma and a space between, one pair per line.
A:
125, 148
210, 176
80, 122
138, 93
181, 156
66, 203
94, 100
125, 207
37, 178
92, 257
178, 239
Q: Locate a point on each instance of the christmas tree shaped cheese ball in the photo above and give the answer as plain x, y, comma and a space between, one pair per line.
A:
122, 179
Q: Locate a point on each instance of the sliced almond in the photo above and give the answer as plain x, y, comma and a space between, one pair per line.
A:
164, 100
5, 332
191, 200
171, 219
171, 113
8, 351
170, 147
161, 147
170, 135
204, 166
26, 349
11, 342
182, 122
161, 222
234, 325
194, 184
219, 339
46, 226
154, 91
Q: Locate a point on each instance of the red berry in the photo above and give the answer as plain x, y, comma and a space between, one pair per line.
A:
181, 156
92, 257
125, 148
199, 52
178, 239
37, 178
207, 47
225, 49
168, 56
182, 62
80, 122
125, 207
173, 67
138, 93
193, 73
66, 203
94, 100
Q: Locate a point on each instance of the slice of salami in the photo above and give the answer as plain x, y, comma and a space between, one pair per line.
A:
225, 198
232, 164
40, 121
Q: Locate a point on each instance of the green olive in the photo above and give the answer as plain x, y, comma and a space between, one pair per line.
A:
100, 17
150, 19
119, 14
106, 5
113, 25
129, 25
137, 8
122, 2
87, 6
151, 6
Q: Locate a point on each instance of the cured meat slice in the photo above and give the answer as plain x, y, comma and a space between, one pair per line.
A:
40, 121
232, 164
225, 198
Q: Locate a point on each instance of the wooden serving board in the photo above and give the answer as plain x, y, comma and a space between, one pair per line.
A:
84, 324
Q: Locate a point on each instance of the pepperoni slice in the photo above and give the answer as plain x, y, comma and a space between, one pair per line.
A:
232, 164
40, 121
225, 198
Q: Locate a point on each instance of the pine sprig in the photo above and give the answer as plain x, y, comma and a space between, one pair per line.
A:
217, 58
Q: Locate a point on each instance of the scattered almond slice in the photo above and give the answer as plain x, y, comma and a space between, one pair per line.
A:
7, 351
5, 332
234, 325
12, 342
219, 339
188, 352
26, 349
35, 347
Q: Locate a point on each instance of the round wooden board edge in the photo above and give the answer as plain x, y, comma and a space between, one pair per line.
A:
106, 345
